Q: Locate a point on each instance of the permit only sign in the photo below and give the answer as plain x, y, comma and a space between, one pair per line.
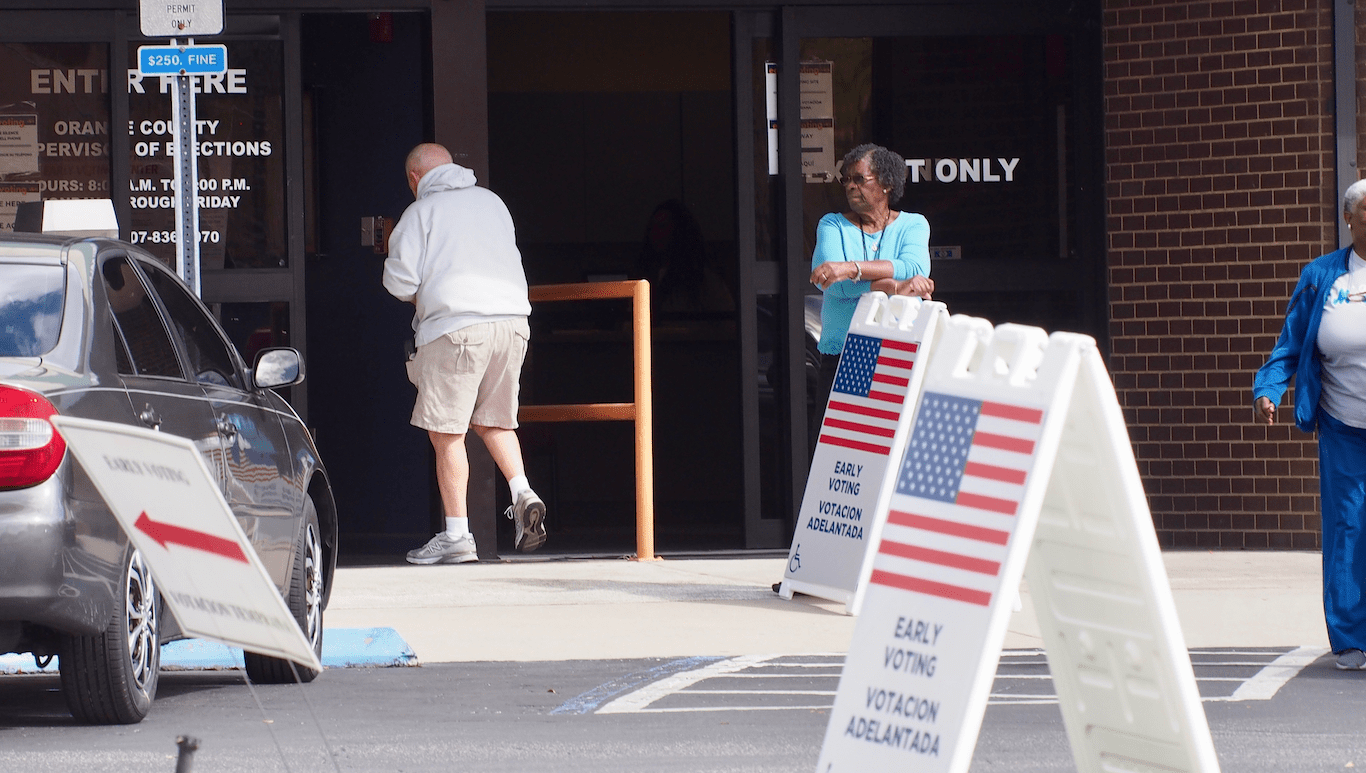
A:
864, 427
169, 19
1015, 455
169, 505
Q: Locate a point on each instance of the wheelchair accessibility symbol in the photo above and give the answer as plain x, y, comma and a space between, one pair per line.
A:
795, 562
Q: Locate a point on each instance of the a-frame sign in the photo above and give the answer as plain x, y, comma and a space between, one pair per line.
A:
864, 427
1017, 454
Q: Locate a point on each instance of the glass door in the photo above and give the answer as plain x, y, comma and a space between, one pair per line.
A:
997, 117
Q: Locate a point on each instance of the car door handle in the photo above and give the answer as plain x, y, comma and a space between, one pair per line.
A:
150, 417
227, 429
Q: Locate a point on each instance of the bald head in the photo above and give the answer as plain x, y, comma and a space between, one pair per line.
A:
423, 159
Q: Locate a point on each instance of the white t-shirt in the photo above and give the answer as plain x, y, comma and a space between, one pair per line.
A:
1342, 346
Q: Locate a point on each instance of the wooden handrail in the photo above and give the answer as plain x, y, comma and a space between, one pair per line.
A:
579, 412
589, 291
641, 411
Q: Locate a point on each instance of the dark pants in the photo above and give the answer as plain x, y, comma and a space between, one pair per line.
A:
830, 364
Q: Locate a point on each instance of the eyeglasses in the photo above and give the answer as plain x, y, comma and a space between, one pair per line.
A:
856, 179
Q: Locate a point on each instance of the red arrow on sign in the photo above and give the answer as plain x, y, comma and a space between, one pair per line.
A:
163, 533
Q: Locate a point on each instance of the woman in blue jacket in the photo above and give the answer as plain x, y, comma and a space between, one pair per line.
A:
1323, 346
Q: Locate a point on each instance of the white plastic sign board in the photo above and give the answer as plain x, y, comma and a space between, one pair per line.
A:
995, 408
169, 19
1105, 609
924, 652
169, 505
864, 426
183, 60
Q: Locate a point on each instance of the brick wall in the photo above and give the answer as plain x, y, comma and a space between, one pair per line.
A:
1220, 158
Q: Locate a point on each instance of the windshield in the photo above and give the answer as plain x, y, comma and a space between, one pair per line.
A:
30, 308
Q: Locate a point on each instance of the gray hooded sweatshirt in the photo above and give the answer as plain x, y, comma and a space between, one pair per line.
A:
454, 252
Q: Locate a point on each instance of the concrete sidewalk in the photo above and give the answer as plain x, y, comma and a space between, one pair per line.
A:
563, 608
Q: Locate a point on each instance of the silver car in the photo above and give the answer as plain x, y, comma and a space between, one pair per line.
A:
98, 329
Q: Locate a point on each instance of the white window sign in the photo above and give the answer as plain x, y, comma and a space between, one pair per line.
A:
817, 95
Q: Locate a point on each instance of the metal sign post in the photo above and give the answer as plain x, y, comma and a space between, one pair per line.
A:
184, 62
186, 180
158, 18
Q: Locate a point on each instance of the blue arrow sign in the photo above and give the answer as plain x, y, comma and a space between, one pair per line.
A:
183, 60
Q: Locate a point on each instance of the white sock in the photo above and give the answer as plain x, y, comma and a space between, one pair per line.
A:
517, 485
457, 527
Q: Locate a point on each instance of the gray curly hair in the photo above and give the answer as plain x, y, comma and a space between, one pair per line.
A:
889, 167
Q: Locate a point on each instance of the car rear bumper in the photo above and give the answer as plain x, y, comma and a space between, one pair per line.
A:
61, 561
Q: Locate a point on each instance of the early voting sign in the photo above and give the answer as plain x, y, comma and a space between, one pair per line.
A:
1015, 433
170, 507
863, 428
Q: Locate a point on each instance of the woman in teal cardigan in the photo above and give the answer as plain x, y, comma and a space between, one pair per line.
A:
870, 247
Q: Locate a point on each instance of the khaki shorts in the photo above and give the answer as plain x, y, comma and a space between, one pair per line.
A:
470, 376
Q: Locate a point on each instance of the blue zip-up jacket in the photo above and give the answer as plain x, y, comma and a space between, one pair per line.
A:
1299, 337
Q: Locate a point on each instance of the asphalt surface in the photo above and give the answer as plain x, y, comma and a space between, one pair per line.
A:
591, 717
679, 665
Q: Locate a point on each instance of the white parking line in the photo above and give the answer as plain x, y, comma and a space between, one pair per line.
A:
761, 692
636, 702
699, 709
1263, 685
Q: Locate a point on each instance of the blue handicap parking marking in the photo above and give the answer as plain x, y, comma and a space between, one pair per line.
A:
342, 648
202, 655
372, 647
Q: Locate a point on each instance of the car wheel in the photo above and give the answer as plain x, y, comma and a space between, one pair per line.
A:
110, 678
305, 603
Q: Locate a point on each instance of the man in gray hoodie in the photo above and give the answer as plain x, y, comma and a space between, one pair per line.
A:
454, 256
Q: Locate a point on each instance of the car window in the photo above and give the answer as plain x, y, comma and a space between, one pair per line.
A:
137, 319
30, 308
205, 347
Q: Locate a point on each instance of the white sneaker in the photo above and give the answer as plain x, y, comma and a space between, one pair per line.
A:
444, 550
1352, 660
528, 513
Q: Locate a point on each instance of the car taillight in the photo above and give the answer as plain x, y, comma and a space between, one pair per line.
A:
30, 449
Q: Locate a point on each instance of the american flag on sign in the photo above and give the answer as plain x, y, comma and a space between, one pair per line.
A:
957, 492
870, 386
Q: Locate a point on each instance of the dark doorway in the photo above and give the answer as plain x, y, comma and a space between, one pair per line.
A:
365, 90
611, 138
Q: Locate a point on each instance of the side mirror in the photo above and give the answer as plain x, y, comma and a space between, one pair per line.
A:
277, 367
